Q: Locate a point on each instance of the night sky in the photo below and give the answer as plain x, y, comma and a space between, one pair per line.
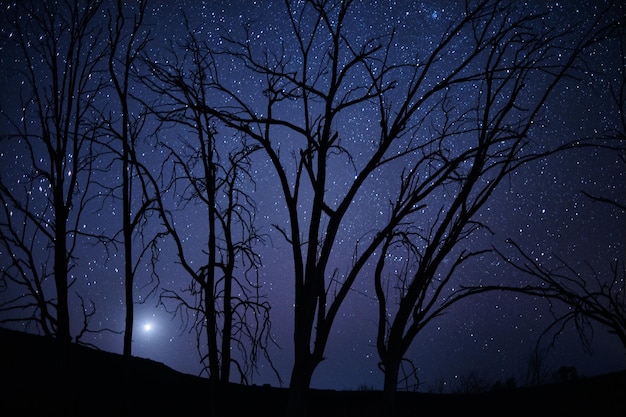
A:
540, 206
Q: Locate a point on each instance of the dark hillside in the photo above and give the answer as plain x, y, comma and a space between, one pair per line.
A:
37, 380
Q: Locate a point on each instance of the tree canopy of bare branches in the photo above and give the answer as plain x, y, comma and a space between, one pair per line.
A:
50, 140
511, 55
223, 299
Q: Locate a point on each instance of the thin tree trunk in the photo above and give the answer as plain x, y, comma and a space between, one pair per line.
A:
60, 270
127, 233
227, 329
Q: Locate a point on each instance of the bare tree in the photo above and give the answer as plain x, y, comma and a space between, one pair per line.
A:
223, 297
49, 156
516, 61
128, 38
317, 81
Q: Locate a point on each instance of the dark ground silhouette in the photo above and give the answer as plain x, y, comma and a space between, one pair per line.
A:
39, 379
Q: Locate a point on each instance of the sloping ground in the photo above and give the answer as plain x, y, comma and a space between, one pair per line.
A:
38, 378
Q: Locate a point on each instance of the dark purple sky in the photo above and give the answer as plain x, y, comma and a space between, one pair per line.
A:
540, 206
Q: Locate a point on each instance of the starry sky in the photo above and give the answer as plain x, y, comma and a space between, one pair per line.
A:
540, 206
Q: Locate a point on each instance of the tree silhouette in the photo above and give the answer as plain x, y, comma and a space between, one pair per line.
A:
51, 154
515, 62
223, 296
128, 39
345, 78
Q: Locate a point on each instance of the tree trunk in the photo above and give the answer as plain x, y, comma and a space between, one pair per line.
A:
128, 245
304, 361
301, 375
227, 327
60, 272
390, 386
212, 344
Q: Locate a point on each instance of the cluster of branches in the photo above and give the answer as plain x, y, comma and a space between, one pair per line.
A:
227, 304
592, 294
590, 297
51, 160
